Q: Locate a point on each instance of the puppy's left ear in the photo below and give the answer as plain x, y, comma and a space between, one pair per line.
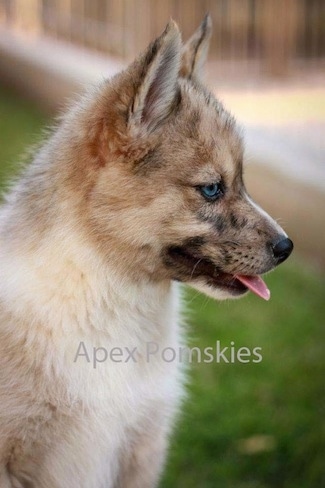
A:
195, 51
156, 92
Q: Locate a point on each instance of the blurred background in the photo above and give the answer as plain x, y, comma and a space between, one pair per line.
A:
244, 425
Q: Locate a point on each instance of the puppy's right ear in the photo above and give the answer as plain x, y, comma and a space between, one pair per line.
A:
157, 73
195, 51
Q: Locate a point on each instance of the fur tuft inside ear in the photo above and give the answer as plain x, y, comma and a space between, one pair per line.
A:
158, 81
195, 51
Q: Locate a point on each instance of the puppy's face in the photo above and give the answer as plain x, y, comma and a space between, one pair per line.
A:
171, 190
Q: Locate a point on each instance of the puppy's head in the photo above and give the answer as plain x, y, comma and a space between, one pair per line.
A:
167, 192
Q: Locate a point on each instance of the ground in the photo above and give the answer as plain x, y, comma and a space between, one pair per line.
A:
243, 425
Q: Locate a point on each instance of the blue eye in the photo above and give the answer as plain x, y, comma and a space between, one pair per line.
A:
212, 192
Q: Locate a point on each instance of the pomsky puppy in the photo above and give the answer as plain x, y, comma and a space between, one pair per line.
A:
138, 188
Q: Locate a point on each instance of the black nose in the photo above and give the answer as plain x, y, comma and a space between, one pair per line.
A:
282, 249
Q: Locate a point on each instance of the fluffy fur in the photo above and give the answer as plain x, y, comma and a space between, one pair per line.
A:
93, 240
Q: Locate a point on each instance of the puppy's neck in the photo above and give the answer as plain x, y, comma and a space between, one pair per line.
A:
63, 283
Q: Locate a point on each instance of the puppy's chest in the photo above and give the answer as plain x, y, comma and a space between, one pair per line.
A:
127, 367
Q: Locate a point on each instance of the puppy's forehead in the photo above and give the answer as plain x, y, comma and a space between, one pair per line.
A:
218, 143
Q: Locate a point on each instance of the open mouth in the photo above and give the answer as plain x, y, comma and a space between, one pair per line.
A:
188, 267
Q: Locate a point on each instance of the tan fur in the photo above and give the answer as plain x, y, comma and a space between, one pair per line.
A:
91, 244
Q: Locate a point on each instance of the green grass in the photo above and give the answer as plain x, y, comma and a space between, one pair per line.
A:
281, 397
243, 425
20, 128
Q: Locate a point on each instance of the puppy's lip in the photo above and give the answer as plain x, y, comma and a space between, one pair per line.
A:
228, 282
190, 267
196, 267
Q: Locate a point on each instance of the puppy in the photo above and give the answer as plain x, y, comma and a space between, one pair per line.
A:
138, 188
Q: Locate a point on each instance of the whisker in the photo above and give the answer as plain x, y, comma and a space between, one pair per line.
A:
194, 267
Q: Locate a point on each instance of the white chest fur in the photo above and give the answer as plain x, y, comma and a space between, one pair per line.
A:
84, 324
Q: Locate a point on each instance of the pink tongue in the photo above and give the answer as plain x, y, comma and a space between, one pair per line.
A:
256, 285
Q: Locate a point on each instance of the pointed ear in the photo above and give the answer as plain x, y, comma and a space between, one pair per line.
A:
157, 88
195, 51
